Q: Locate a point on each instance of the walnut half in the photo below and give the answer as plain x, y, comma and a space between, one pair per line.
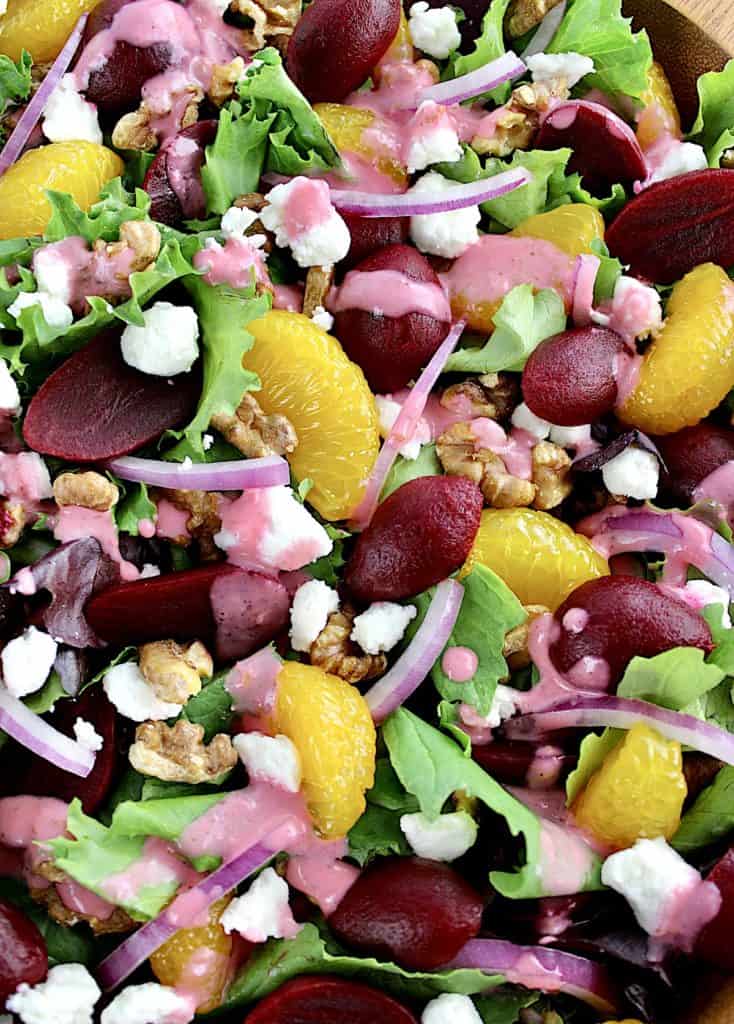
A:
254, 433
551, 475
86, 490
174, 670
493, 395
178, 753
523, 15
334, 651
460, 454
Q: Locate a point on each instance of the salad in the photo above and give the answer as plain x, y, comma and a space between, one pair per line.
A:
367, 489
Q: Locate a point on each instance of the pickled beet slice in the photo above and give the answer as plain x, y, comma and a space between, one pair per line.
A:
39, 778
117, 84
96, 407
101, 17
336, 43
372, 233
616, 618
418, 536
392, 350
239, 610
714, 943
569, 378
605, 150
675, 225
173, 180
23, 956
691, 455
418, 913
510, 761
320, 999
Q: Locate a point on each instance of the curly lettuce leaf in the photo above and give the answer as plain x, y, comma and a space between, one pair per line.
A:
524, 319
378, 832
115, 205
236, 158
15, 80
135, 505
675, 679
710, 818
714, 125
432, 767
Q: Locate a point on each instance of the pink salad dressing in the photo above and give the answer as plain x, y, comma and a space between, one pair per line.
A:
235, 263
399, 92
24, 478
460, 664
72, 522
83, 901
495, 264
529, 971
253, 527
516, 451
157, 865
171, 521
566, 859
89, 272
24, 821
23, 582
688, 909
718, 486
307, 206
360, 174
575, 620
545, 768
252, 683
474, 725
146, 528
288, 297
389, 293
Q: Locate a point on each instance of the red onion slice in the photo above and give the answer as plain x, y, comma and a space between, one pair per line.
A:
585, 271
537, 967
477, 82
30, 730
372, 204
32, 113
418, 659
239, 475
404, 427
546, 30
623, 713
143, 943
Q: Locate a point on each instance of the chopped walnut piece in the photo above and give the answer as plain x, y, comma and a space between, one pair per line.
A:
203, 521
460, 454
493, 395
318, 284
254, 201
224, 79
255, 434
87, 490
335, 652
517, 122
144, 239
12, 522
133, 130
516, 641
523, 15
503, 490
551, 475
119, 920
175, 670
178, 753
269, 18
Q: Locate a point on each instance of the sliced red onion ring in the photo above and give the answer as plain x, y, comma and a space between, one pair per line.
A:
477, 82
546, 30
30, 730
418, 659
623, 713
413, 204
585, 271
146, 940
404, 427
32, 113
271, 471
548, 970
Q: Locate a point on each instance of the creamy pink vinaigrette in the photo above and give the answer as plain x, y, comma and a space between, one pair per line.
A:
389, 293
88, 272
72, 522
24, 478
307, 206
158, 864
235, 263
171, 521
545, 768
515, 450
288, 297
460, 664
718, 486
252, 683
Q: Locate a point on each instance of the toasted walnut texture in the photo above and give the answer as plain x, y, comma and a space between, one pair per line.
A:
493, 395
551, 475
144, 239
255, 434
318, 284
118, 921
203, 522
177, 753
503, 490
460, 455
224, 79
515, 648
135, 131
522, 15
335, 652
175, 670
270, 18
518, 121
87, 490
12, 523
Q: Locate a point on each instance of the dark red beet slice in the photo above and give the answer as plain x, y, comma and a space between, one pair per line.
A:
239, 610
116, 86
418, 536
418, 913
673, 226
39, 778
624, 617
510, 760
372, 233
96, 407
605, 150
336, 43
392, 350
101, 17
23, 956
173, 180
320, 999
692, 454
569, 378
714, 943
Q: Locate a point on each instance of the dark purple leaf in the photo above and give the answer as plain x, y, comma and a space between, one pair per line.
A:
595, 461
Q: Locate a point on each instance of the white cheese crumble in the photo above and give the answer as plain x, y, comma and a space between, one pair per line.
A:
27, 661
317, 246
133, 696
272, 759
570, 437
148, 1004
446, 838
263, 912
550, 67
166, 345
9, 394
432, 138
450, 1008
680, 159
322, 318
525, 419
55, 312
705, 594
236, 222
443, 234
312, 605
382, 626
87, 736
68, 996
388, 411
68, 117
634, 473
434, 30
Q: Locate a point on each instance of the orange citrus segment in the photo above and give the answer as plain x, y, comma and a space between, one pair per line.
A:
79, 168
197, 960
571, 228
360, 131
307, 377
40, 27
659, 115
540, 558
637, 793
689, 368
329, 722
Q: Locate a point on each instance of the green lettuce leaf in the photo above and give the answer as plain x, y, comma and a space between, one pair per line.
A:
504, 1005
594, 748
115, 205
403, 470
723, 637
674, 679
432, 767
15, 80
489, 45
714, 125
224, 314
135, 505
710, 818
610, 271
235, 160
524, 319
211, 707
597, 29
377, 834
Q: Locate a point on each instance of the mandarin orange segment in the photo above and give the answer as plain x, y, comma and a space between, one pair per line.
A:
197, 960
329, 722
637, 793
571, 228
357, 130
539, 557
79, 168
659, 115
307, 377
689, 368
41, 28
